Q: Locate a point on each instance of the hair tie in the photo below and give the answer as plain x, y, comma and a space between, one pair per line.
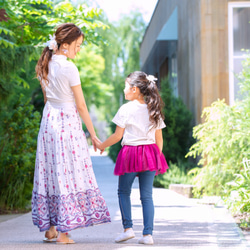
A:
52, 44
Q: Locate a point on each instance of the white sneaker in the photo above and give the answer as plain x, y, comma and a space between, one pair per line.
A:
129, 234
147, 240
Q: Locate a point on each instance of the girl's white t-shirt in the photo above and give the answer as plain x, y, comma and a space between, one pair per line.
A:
134, 117
62, 75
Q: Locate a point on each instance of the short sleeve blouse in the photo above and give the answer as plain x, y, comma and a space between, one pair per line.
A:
134, 117
62, 75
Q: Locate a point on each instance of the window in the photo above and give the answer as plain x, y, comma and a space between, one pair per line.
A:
238, 39
173, 75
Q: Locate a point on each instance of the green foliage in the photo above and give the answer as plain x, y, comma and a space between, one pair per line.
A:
222, 140
121, 53
121, 58
3, 41
30, 21
28, 26
176, 174
239, 189
114, 149
27, 19
91, 66
17, 157
14, 69
83, 16
130, 30
177, 135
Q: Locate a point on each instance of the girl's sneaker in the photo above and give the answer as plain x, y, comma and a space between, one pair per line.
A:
129, 234
147, 240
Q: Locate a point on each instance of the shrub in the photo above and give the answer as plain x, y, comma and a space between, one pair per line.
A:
114, 149
176, 174
239, 190
177, 136
222, 140
17, 154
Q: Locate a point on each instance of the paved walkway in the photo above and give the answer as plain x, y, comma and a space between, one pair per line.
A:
180, 223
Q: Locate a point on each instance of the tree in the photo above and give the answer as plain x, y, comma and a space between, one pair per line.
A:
28, 25
91, 66
121, 58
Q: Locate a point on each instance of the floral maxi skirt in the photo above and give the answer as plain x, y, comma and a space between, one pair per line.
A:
65, 192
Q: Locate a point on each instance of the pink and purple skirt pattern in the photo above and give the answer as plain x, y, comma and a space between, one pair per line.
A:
140, 158
65, 192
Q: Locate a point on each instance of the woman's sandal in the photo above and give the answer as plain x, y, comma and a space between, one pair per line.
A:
70, 241
52, 239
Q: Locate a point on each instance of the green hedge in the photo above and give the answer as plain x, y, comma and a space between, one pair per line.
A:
19, 130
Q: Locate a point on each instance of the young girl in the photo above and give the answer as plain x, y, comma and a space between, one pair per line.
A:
65, 193
140, 123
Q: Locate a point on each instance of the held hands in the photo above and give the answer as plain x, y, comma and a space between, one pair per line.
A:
97, 144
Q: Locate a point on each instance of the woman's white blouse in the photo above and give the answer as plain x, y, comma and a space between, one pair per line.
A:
134, 117
62, 75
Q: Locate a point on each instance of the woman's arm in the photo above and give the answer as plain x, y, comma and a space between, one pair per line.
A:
84, 113
114, 138
44, 95
159, 139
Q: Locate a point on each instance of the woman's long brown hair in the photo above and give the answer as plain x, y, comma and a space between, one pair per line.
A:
65, 33
150, 93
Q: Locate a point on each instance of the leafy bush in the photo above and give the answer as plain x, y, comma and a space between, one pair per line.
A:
17, 154
174, 175
114, 149
177, 136
239, 190
222, 140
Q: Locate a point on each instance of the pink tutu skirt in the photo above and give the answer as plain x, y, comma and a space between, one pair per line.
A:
140, 158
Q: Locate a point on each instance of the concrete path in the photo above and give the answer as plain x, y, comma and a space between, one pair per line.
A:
180, 223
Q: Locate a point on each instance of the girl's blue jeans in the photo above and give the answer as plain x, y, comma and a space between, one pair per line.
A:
146, 189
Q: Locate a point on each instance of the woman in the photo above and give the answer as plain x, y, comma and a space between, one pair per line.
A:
65, 194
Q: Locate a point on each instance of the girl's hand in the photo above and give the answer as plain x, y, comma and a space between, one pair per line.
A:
97, 144
101, 148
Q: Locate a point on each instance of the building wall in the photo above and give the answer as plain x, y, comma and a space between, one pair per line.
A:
202, 50
162, 12
214, 51
189, 56
188, 48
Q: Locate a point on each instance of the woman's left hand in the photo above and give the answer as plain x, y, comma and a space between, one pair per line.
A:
95, 142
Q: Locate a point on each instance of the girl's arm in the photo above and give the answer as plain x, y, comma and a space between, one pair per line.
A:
84, 113
114, 138
159, 139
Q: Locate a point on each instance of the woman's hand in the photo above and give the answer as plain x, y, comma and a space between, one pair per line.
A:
97, 143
